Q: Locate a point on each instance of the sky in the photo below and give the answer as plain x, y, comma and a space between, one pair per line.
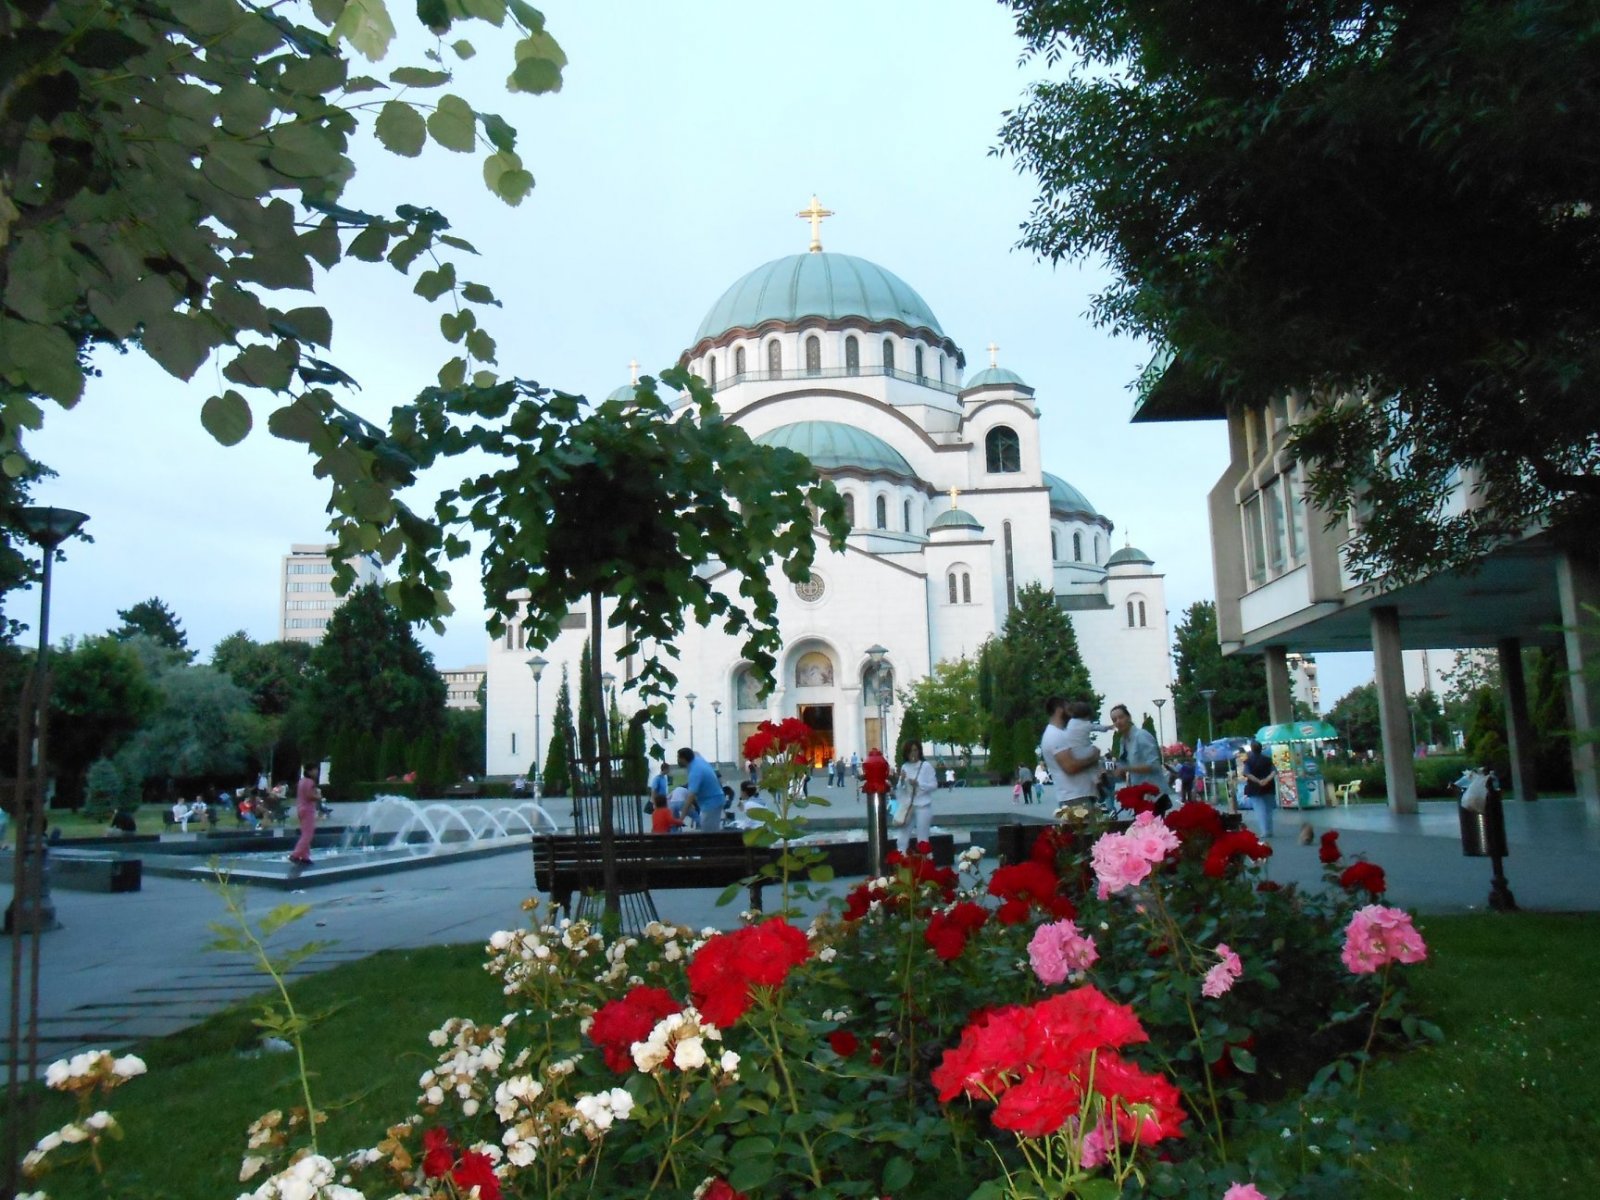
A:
673, 160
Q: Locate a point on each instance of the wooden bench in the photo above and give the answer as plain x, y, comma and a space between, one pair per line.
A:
564, 863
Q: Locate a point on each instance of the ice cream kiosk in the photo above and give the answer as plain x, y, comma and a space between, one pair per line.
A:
1296, 753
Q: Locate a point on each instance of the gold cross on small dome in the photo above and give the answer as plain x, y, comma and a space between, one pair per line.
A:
633, 370
954, 492
814, 214
994, 354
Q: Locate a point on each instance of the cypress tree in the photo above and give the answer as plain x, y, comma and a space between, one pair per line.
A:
588, 739
636, 766
557, 771
391, 755
911, 727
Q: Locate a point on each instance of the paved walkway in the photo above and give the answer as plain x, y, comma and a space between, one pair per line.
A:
128, 967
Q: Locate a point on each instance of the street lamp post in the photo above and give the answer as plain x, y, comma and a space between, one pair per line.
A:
716, 729
31, 911
691, 698
537, 666
1161, 729
877, 803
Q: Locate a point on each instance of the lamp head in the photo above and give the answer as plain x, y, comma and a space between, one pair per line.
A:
49, 527
537, 666
876, 654
716, 707
608, 681
691, 698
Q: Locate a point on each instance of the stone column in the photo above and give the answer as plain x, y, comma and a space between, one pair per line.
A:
1280, 705
1394, 718
1519, 727
1578, 582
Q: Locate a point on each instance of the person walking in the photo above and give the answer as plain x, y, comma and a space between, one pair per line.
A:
917, 786
1025, 782
705, 789
1261, 785
1186, 780
306, 797
1071, 758
661, 785
1140, 758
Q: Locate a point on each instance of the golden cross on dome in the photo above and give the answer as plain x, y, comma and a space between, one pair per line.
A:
994, 354
954, 492
814, 214
633, 370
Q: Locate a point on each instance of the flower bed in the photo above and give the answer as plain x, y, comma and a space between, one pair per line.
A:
1102, 1019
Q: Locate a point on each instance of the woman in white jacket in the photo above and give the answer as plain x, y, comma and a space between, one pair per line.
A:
917, 783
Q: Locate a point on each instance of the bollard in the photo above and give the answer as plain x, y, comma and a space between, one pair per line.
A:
1483, 835
877, 832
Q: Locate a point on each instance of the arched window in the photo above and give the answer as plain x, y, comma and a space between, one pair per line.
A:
1130, 614
738, 361
774, 358
1141, 614
941, 368
883, 512
1077, 547
1097, 547
888, 354
711, 364
905, 515
1003, 450
852, 356
1054, 555
813, 355
850, 510
966, 588
952, 582
918, 353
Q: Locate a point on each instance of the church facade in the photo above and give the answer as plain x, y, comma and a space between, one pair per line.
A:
952, 512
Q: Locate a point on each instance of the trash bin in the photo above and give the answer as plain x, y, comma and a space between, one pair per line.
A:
1483, 834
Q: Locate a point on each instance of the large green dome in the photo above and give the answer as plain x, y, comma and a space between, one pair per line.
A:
832, 445
1066, 499
820, 284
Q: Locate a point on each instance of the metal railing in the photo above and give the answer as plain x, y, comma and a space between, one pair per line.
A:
949, 389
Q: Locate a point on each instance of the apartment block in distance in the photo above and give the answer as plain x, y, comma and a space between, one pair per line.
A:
306, 598
462, 684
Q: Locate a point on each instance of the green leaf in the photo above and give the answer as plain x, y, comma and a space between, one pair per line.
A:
263, 366
370, 243
897, 1174
504, 174
431, 285
14, 465
419, 77
463, 48
226, 417
310, 324
453, 124
456, 325
477, 293
297, 422
365, 24
499, 131
1242, 1059
453, 374
362, 83
536, 75
401, 128
180, 343
480, 345
751, 1173
752, 1147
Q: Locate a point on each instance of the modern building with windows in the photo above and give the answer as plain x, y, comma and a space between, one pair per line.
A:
461, 686
1285, 586
951, 509
306, 598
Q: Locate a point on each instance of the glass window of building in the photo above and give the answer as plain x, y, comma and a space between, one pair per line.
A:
1141, 614
813, 355
738, 360
1077, 547
952, 582
888, 354
966, 588
774, 358
852, 356
711, 366
1003, 450
1130, 614
918, 353
850, 510
883, 512
905, 515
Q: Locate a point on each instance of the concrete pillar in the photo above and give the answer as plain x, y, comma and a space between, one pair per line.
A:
1578, 582
1394, 717
1280, 705
1519, 727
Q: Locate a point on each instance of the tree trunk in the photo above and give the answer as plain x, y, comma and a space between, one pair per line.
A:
608, 833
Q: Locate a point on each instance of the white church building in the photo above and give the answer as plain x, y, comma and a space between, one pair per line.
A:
952, 512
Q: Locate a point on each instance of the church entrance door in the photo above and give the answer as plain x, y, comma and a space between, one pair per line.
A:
819, 720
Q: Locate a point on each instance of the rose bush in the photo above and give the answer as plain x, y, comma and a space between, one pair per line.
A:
1103, 1017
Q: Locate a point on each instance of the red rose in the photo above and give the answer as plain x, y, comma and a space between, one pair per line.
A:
969, 917
439, 1155
1231, 846
1039, 1105
1269, 885
760, 743
1070, 1024
1138, 798
1148, 1109
1048, 846
475, 1170
1328, 851
793, 731
945, 937
844, 1042
1192, 821
721, 1189
724, 971
993, 1048
1367, 876
620, 1023
1012, 912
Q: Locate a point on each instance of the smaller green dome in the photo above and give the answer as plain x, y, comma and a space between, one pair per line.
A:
955, 518
994, 377
623, 393
1065, 499
833, 445
1130, 554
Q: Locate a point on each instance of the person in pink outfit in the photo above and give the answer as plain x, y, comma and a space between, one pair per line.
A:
306, 796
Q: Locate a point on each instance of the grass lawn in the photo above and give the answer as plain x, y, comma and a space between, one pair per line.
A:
1502, 1111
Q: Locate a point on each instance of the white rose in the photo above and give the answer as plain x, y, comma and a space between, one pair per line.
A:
250, 1167
690, 1054
128, 1066
729, 1063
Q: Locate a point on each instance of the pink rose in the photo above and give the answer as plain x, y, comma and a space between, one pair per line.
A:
1058, 949
1244, 1191
1124, 860
1378, 935
1222, 976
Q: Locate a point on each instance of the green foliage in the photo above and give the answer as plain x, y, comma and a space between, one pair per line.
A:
1355, 716
468, 739
636, 763
100, 694
153, 619
946, 704
106, 788
1552, 724
1037, 657
557, 777
369, 671
271, 672
169, 170
588, 741
911, 726
391, 758
1221, 165
1240, 704
203, 727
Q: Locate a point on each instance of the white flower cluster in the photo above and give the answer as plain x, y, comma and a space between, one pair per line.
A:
841, 1015
92, 1068
597, 1113
968, 859
518, 956
91, 1129
311, 1178
473, 1050
681, 1038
